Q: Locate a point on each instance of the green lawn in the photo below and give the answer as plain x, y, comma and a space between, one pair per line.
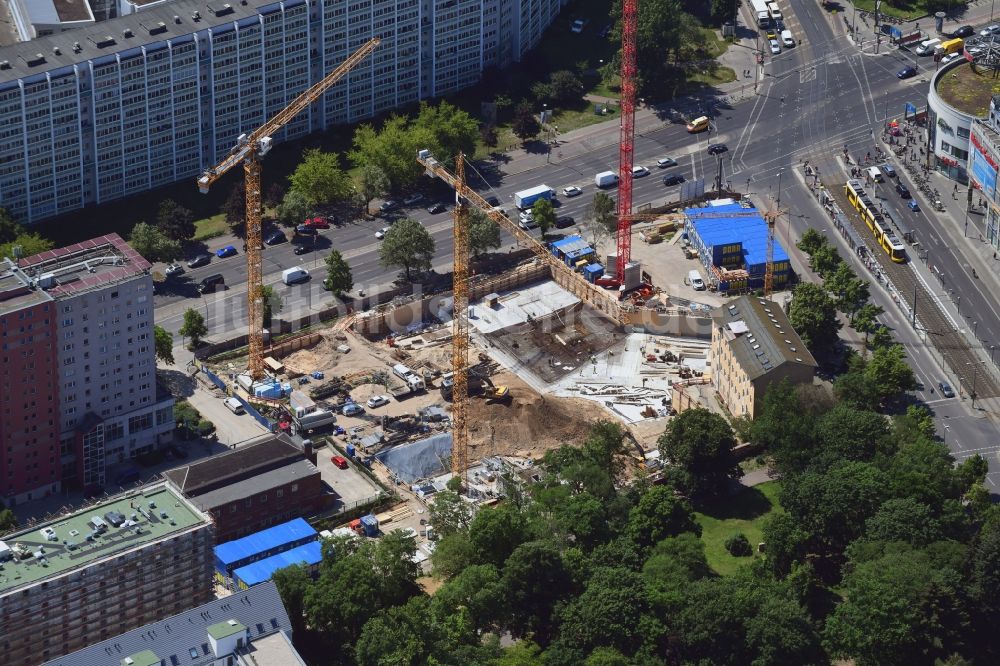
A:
744, 513
908, 11
210, 227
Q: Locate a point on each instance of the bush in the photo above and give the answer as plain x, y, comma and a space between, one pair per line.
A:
739, 546
207, 428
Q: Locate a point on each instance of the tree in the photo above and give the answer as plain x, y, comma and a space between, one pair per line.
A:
338, 274
496, 532
903, 519
854, 388
175, 221
294, 208
604, 212
8, 521
484, 234
544, 215
452, 555
30, 244
814, 317
446, 130
374, 183
450, 513
811, 241
193, 326
739, 546
849, 291
477, 589
163, 342
845, 433
607, 613
272, 302
292, 583
9, 228
889, 373
784, 428
319, 178
489, 136
698, 444
534, 582
152, 244
235, 207
866, 319
525, 125
393, 149
659, 514
407, 245
565, 87
274, 195
825, 260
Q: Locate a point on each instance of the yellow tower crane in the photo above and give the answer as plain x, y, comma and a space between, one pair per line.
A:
460, 330
249, 150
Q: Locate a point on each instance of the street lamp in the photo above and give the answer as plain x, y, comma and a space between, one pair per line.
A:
992, 349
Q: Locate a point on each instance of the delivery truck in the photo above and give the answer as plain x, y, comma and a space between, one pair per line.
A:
606, 179
527, 198
294, 274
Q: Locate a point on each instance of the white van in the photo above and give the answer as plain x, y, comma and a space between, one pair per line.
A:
294, 274
234, 405
786, 38
926, 48
876, 174
694, 277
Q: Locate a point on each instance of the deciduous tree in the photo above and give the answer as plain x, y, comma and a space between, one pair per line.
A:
484, 234
152, 244
814, 317
29, 244
193, 326
374, 183
163, 343
525, 125
294, 209
660, 514
320, 179
698, 446
235, 208
272, 302
544, 215
175, 221
338, 274
450, 513
407, 245
889, 373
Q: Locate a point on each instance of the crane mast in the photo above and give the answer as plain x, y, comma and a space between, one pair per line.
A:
460, 329
249, 150
627, 137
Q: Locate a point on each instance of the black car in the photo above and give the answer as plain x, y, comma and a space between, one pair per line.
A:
302, 249
673, 179
275, 237
717, 148
964, 31
906, 73
200, 260
903, 191
946, 389
493, 201
436, 208
563, 222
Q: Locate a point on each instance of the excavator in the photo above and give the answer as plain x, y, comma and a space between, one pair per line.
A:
480, 385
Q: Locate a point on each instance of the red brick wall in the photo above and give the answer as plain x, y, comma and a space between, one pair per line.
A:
237, 519
29, 401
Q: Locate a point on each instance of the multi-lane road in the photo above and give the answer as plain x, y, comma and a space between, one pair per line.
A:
813, 100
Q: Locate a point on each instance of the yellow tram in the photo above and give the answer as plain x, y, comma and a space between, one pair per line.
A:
886, 238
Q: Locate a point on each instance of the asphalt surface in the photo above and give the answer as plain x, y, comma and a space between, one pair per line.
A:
813, 100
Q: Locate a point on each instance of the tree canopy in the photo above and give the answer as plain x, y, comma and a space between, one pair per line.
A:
320, 179
407, 245
153, 244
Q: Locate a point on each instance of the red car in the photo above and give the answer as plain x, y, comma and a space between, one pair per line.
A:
339, 461
317, 223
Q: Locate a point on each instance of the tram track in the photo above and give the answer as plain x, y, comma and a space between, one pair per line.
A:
939, 328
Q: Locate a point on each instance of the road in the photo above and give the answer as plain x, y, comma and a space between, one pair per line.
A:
813, 100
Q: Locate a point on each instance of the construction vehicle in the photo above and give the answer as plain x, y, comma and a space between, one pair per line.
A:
249, 150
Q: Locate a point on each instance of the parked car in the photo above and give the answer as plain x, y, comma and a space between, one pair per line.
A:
339, 461
228, 251
380, 234
437, 208
717, 148
673, 179
174, 269
377, 401
352, 409
665, 162
775, 47
200, 260
493, 201
578, 26
317, 223
964, 31
302, 249
989, 31
412, 199
387, 206
178, 452
306, 230
275, 237
565, 221
906, 73
902, 190
946, 389
639, 171
572, 191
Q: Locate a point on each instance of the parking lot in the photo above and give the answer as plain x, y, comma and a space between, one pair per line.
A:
351, 485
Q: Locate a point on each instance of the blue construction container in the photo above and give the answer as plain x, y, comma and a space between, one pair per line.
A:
260, 545
592, 272
311, 554
350, 450
369, 524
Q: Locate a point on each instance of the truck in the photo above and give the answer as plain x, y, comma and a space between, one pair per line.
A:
294, 274
412, 379
527, 198
950, 46
762, 13
606, 179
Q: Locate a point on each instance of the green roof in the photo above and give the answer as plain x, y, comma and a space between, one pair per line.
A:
144, 658
227, 628
68, 547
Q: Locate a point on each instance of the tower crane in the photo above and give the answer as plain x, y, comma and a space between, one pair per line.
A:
626, 139
249, 150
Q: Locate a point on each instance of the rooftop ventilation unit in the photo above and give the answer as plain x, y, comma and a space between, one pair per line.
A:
127, 32
76, 47
177, 19
196, 15
47, 280
37, 59
56, 51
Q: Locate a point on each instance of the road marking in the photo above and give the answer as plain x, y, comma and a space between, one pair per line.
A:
807, 75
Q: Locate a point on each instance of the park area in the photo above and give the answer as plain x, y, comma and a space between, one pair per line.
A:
742, 513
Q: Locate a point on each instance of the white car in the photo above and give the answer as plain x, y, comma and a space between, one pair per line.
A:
413, 198
951, 56
787, 39
380, 234
572, 191
990, 31
775, 47
377, 401
665, 162
639, 171
174, 269
526, 215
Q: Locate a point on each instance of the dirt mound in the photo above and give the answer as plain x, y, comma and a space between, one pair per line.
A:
530, 425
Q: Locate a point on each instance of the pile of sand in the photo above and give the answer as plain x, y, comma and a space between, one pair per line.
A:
530, 425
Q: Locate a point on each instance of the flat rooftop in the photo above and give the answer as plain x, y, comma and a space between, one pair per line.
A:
16, 292
516, 307
155, 513
92, 264
966, 90
728, 224
273, 650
